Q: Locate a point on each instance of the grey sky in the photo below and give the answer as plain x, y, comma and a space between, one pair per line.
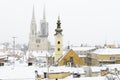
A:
83, 21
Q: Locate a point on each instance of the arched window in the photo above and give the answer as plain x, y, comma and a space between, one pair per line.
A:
58, 42
58, 49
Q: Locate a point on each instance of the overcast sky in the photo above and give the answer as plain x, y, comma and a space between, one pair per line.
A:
83, 21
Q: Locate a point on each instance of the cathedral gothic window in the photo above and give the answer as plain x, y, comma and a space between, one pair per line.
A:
37, 41
37, 45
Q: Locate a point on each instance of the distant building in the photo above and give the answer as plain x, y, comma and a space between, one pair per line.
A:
38, 40
110, 46
40, 58
106, 56
83, 52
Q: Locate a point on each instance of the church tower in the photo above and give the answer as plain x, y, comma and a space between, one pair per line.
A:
58, 41
44, 25
33, 27
33, 32
38, 41
43, 35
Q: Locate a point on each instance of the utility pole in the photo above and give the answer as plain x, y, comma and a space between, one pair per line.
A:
14, 51
14, 44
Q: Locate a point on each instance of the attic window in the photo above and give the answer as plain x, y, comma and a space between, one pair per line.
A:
71, 59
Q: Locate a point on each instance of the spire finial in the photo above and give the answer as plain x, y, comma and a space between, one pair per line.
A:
44, 14
58, 30
58, 17
58, 22
33, 15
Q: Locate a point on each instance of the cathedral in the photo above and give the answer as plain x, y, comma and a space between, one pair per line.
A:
38, 39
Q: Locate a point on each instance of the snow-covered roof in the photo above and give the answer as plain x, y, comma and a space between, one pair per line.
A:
82, 55
3, 55
2, 46
64, 52
42, 54
60, 69
17, 73
107, 51
78, 48
16, 51
104, 67
23, 72
97, 69
38, 53
112, 66
84, 78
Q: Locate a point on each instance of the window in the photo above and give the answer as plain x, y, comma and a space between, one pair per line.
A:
37, 45
71, 59
1, 64
118, 58
58, 49
37, 41
112, 58
58, 42
29, 64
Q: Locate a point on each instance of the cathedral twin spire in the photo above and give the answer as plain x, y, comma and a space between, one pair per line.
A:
33, 14
43, 25
44, 17
44, 14
33, 26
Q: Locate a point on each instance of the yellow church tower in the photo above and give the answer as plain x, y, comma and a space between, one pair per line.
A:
58, 41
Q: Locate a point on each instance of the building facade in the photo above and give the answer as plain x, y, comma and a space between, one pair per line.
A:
105, 56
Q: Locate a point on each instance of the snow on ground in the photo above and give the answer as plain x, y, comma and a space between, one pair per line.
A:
14, 73
20, 71
84, 78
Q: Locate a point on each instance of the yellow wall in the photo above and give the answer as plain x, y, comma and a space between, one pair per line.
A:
110, 46
66, 59
58, 54
104, 72
106, 58
58, 75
